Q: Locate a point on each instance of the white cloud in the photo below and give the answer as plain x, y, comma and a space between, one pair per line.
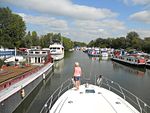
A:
64, 8
142, 32
111, 24
141, 2
142, 16
45, 21
137, 2
80, 30
90, 29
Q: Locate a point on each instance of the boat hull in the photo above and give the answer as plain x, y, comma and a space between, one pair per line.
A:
94, 55
148, 66
128, 63
57, 56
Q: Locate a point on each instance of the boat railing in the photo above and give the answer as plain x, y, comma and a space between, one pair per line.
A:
55, 95
137, 103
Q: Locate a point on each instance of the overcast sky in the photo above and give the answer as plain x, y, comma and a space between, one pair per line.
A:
84, 20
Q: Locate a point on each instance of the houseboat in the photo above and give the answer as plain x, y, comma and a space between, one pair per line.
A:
99, 97
19, 80
134, 60
95, 52
38, 56
57, 51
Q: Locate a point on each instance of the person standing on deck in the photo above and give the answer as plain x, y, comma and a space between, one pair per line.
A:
77, 75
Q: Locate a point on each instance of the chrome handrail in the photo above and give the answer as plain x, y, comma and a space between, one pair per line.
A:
55, 95
139, 104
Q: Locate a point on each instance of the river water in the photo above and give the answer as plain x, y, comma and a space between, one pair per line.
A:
135, 80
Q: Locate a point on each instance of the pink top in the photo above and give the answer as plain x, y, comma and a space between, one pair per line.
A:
77, 71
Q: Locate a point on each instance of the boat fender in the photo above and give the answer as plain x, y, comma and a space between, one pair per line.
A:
43, 76
22, 93
99, 80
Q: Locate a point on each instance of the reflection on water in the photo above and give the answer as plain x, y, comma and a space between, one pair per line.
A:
94, 58
104, 58
136, 71
98, 58
148, 71
58, 65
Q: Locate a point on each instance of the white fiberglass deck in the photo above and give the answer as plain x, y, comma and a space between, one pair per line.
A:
92, 99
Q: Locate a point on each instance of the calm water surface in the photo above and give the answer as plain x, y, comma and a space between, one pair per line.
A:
135, 80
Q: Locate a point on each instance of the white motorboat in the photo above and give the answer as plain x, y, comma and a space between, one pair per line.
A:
104, 52
57, 51
98, 98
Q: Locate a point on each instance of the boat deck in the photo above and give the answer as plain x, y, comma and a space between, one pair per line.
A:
7, 92
92, 99
11, 72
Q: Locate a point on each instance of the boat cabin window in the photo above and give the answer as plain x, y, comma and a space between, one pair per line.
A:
43, 52
37, 52
55, 48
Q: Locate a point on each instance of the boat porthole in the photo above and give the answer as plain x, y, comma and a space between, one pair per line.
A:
118, 103
70, 102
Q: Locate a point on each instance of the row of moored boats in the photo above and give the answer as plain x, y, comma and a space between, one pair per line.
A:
134, 59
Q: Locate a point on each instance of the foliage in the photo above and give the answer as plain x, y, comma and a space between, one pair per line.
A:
45, 40
79, 44
146, 45
68, 44
1, 63
131, 41
12, 28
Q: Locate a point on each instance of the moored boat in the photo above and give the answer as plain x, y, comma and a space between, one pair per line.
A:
104, 52
148, 64
134, 60
95, 52
57, 51
105, 96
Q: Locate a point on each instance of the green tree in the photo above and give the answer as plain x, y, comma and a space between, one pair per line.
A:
27, 40
67, 43
12, 28
133, 40
80, 44
45, 40
35, 39
146, 45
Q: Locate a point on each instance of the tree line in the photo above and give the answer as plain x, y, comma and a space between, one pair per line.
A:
13, 34
131, 41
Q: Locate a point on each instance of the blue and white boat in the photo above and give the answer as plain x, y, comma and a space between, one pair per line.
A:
95, 52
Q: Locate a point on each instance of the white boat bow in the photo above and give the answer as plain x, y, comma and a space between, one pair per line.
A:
94, 99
